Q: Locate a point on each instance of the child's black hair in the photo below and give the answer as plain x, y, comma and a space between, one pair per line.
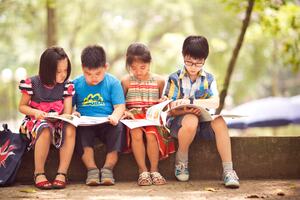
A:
137, 52
48, 64
195, 47
93, 56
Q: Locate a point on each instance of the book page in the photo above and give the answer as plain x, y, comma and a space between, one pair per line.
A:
154, 112
72, 119
89, 121
136, 123
205, 115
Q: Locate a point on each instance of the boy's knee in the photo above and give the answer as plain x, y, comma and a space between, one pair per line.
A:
190, 122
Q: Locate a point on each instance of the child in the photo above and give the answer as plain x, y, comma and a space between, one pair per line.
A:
193, 85
98, 93
50, 91
142, 90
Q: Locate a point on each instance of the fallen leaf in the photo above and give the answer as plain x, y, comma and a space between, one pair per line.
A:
28, 190
210, 189
253, 196
280, 193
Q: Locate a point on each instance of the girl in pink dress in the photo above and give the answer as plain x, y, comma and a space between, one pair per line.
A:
50, 91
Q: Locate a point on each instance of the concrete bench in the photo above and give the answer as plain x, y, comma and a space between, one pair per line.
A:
253, 157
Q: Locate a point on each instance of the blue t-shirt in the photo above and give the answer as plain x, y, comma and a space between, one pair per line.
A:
97, 100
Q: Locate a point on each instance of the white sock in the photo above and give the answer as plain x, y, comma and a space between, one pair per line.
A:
227, 166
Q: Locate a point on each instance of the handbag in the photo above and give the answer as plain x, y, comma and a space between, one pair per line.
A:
12, 148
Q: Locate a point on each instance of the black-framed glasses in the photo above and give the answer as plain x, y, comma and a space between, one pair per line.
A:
196, 64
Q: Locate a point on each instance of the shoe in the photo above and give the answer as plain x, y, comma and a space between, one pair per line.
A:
107, 177
145, 179
43, 185
182, 171
157, 178
92, 177
58, 184
231, 180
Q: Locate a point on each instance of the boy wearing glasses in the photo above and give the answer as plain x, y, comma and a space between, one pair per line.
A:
193, 85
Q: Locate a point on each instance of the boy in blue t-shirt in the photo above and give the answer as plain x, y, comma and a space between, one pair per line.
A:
193, 85
99, 94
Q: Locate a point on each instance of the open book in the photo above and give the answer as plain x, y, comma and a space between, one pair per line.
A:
78, 121
156, 115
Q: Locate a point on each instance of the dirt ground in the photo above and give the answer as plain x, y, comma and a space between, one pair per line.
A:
200, 189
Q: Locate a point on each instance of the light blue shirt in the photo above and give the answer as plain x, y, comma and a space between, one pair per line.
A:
97, 100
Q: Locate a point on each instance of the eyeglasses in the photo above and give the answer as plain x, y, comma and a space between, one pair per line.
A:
190, 63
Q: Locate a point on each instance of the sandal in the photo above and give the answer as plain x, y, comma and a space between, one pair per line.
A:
107, 177
58, 184
92, 177
43, 185
157, 178
144, 179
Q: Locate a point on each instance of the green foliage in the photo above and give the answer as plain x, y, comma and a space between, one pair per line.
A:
271, 44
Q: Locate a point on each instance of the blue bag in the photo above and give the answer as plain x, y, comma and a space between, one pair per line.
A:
12, 148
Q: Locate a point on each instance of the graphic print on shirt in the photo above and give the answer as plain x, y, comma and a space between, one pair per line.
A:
93, 100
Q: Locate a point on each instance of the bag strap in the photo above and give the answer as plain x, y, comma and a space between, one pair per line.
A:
5, 127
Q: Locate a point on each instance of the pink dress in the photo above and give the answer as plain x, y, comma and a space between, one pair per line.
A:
48, 100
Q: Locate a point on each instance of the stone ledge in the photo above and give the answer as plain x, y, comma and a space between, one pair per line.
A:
253, 157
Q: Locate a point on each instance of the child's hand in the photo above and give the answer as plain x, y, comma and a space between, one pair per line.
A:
163, 98
40, 114
113, 120
77, 114
128, 115
180, 102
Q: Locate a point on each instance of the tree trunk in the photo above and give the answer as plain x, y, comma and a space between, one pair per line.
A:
235, 54
51, 23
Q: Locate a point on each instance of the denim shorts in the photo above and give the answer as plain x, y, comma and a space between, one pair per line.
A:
112, 136
204, 129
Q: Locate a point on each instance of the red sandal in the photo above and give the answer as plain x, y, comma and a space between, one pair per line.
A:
58, 184
43, 185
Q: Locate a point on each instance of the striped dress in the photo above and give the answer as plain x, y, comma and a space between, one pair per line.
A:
141, 95
48, 100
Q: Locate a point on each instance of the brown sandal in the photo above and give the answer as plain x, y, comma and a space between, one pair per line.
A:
157, 178
144, 179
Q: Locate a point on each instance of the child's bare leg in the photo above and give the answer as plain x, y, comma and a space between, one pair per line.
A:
88, 158
66, 151
138, 149
187, 132
152, 152
222, 139
224, 147
41, 151
111, 160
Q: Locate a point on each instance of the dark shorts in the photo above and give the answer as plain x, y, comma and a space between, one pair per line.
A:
112, 136
204, 129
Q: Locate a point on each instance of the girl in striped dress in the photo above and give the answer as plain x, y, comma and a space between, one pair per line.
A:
143, 89
50, 91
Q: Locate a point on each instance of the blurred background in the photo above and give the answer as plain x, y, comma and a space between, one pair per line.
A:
254, 45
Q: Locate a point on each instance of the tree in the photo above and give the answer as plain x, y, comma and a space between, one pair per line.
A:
51, 23
235, 54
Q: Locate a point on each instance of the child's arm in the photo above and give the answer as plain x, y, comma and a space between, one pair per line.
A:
161, 85
27, 110
117, 114
68, 105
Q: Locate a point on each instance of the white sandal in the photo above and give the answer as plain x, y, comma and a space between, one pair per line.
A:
157, 178
144, 179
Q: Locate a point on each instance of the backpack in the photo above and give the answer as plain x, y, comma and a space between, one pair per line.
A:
12, 148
